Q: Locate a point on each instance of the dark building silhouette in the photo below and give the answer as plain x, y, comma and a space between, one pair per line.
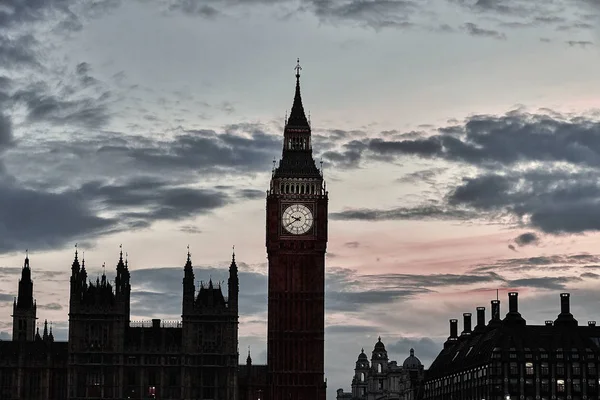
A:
110, 357
296, 241
509, 359
382, 379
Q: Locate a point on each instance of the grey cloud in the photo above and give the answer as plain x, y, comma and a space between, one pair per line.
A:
579, 43
354, 301
43, 107
50, 306
157, 198
6, 136
559, 262
590, 275
18, 52
553, 283
352, 245
251, 194
558, 194
190, 229
6, 297
553, 201
333, 329
371, 13
475, 30
43, 220
405, 213
527, 239
425, 348
426, 175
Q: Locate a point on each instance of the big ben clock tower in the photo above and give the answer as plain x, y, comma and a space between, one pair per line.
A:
296, 244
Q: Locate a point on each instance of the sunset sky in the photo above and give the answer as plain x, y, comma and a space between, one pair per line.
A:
460, 142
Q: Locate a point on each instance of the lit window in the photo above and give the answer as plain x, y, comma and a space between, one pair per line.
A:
560, 385
529, 368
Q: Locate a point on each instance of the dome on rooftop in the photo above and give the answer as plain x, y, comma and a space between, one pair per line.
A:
412, 362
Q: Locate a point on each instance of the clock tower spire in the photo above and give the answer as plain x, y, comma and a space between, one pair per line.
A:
296, 241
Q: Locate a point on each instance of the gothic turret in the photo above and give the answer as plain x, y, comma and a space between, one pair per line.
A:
24, 307
189, 289
122, 280
233, 285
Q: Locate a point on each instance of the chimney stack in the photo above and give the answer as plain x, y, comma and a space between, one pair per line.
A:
513, 302
453, 329
466, 324
565, 318
591, 323
495, 312
453, 334
480, 317
565, 307
549, 323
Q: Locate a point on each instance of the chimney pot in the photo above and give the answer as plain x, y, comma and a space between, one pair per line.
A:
495, 310
513, 302
480, 317
466, 324
591, 323
549, 323
453, 328
564, 303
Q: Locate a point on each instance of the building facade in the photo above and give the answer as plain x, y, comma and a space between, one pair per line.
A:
509, 359
382, 379
296, 240
109, 357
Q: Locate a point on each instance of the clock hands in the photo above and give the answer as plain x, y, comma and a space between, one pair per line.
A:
295, 219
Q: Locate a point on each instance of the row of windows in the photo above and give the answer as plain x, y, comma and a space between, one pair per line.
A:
299, 188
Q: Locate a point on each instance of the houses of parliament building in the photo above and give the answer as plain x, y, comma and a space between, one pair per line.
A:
109, 357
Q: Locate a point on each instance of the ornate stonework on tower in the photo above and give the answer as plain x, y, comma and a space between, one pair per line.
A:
296, 240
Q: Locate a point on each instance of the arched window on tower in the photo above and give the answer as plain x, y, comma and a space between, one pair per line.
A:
379, 368
362, 376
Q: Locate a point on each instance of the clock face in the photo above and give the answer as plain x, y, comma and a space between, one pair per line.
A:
297, 219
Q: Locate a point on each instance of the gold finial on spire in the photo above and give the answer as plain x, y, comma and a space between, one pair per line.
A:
298, 68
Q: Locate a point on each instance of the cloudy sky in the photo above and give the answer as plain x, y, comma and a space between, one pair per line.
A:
460, 141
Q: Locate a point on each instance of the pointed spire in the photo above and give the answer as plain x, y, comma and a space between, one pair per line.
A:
297, 116
45, 336
26, 265
249, 359
51, 336
210, 284
75, 265
37, 334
